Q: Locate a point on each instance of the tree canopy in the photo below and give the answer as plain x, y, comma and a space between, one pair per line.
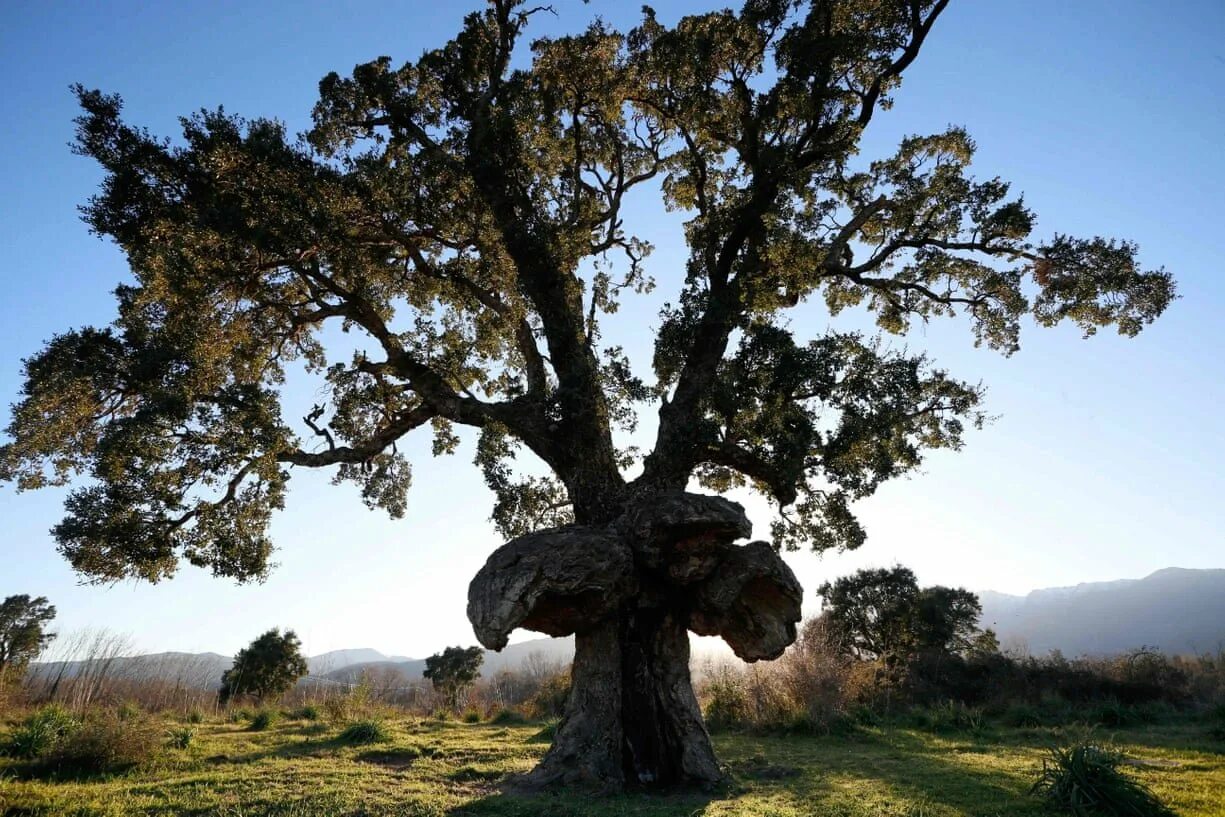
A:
453, 670
883, 613
266, 668
23, 632
463, 215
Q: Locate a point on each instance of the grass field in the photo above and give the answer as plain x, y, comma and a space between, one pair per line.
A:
427, 767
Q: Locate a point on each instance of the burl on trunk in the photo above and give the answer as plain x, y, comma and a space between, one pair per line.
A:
629, 592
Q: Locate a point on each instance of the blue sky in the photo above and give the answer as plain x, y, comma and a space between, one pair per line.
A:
1105, 459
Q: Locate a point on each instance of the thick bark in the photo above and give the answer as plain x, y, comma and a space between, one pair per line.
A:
630, 589
632, 717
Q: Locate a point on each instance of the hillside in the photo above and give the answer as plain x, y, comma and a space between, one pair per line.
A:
559, 651
1177, 610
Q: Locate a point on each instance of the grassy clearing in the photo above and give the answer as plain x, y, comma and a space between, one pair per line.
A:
297, 768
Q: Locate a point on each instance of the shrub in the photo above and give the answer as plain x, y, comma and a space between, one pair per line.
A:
727, 703
105, 742
181, 738
1114, 714
129, 710
506, 716
263, 720
310, 712
366, 731
1084, 780
1021, 714
550, 700
950, 716
40, 733
471, 715
195, 716
354, 705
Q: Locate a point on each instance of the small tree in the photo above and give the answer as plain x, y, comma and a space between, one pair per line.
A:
268, 667
883, 613
23, 633
453, 670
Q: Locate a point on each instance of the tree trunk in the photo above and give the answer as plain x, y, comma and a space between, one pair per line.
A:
632, 717
629, 583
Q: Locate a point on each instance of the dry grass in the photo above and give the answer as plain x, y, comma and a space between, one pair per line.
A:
301, 768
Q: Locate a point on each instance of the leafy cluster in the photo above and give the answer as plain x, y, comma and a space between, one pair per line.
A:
453, 670
463, 217
23, 633
266, 668
883, 613
1084, 780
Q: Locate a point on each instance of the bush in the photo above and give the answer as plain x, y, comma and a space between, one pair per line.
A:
263, 719
950, 716
105, 742
506, 716
367, 731
195, 716
181, 738
550, 700
40, 733
310, 712
1084, 780
727, 703
471, 715
129, 710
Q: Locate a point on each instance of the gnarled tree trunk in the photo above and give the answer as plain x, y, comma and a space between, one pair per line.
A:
630, 591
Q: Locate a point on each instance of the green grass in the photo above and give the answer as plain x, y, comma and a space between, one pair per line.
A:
428, 767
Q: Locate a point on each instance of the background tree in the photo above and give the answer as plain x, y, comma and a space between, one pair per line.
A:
453, 670
464, 217
23, 634
266, 668
882, 613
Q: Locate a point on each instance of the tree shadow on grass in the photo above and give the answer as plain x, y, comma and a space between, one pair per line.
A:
579, 803
839, 774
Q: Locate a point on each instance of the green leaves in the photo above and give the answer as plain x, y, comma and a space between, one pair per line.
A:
883, 613
827, 423
463, 216
23, 633
266, 668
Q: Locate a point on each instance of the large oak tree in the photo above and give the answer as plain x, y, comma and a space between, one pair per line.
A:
467, 215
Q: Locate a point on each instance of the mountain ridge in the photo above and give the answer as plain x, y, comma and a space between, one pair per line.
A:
1176, 610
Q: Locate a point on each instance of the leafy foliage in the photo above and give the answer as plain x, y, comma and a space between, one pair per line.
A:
365, 731
41, 732
1084, 780
882, 613
105, 743
461, 215
23, 633
182, 737
453, 670
266, 668
263, 719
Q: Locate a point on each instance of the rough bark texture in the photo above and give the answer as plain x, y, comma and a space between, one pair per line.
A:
553, 581
752, 600
629, 591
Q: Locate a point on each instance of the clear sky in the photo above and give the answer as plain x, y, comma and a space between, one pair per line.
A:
1105, 459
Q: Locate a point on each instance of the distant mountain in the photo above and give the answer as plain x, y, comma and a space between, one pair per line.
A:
338, 659
1177, 610
191, 669
205, 669
559, 651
